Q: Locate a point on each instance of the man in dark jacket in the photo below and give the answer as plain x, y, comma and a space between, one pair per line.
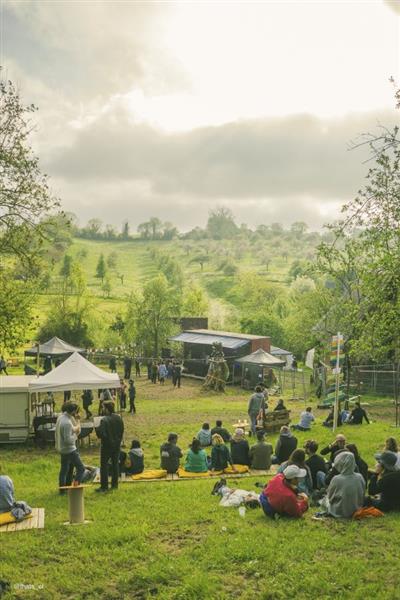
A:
127, 367
338, 444
357, 415
386, 482
170, 454
110, 432
315, 463
224, 433
285, 445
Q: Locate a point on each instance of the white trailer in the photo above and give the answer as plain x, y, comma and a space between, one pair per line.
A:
15, 410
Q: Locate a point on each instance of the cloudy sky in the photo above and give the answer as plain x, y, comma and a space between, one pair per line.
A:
172, 108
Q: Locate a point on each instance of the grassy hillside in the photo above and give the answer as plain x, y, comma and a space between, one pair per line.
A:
172, 540
136, 262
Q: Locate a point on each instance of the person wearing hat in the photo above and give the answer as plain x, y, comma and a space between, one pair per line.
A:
280, 496
285, 445
240, 448
386, 482
346, 491
336, 446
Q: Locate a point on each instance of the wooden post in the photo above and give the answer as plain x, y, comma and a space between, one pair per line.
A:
76, 507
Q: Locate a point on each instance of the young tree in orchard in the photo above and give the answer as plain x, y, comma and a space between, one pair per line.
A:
150, 316
65, 270
101, 268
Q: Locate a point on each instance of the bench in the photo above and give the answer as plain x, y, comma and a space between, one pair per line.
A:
274, 420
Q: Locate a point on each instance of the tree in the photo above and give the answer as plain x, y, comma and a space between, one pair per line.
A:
261, 323
151, 315
112, 260
221, 224
106, 287
144, 230
195, 303
200, 259
299, 228
169, 231
101, 268
17, 299
65, 270
125, 231
25, 197
155, 227
94, 228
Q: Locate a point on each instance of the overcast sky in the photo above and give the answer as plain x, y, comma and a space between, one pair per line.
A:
170, 109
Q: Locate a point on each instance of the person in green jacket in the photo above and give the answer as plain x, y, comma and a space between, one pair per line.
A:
196, 458
220, 455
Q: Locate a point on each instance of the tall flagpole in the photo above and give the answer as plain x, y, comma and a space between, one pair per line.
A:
337, 374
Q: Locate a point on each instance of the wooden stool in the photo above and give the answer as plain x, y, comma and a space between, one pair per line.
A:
76, 507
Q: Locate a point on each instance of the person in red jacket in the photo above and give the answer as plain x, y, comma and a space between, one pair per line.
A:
280, 495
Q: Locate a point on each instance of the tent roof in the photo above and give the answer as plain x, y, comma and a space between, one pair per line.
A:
228, 334
262, 358
75, 373
13, 383
275, 351
53, 347
195, 337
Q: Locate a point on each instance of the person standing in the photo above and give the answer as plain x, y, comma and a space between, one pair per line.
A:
3, 365
162, 373
127, 367
67, 430
87, 400
113, 364
122, 395
256, 404
110, 432
132, 396
176, 375
47, 366
154, 372
137, 367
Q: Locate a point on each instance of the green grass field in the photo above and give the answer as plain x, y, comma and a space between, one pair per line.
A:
171, 540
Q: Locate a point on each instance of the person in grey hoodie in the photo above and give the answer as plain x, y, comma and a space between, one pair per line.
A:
67, 430
346, 490
256, 403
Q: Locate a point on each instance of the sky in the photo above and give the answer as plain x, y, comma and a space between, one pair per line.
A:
171, 109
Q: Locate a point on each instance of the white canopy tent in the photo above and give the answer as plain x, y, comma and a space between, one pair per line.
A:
75, 373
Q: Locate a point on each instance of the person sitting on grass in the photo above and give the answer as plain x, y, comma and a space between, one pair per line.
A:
7, 499
306, 419
357, 415
361, 465
298, 458
133, 462
196, 458
386, 482
316, 464
329, 419
280, 405
220, 455
285, 445
338, 444
224, 433
260, 454
239, 448
170, 454
281, 496
345, 494
204, 435
391, 446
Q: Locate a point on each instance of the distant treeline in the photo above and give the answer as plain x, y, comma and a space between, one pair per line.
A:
220, 225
